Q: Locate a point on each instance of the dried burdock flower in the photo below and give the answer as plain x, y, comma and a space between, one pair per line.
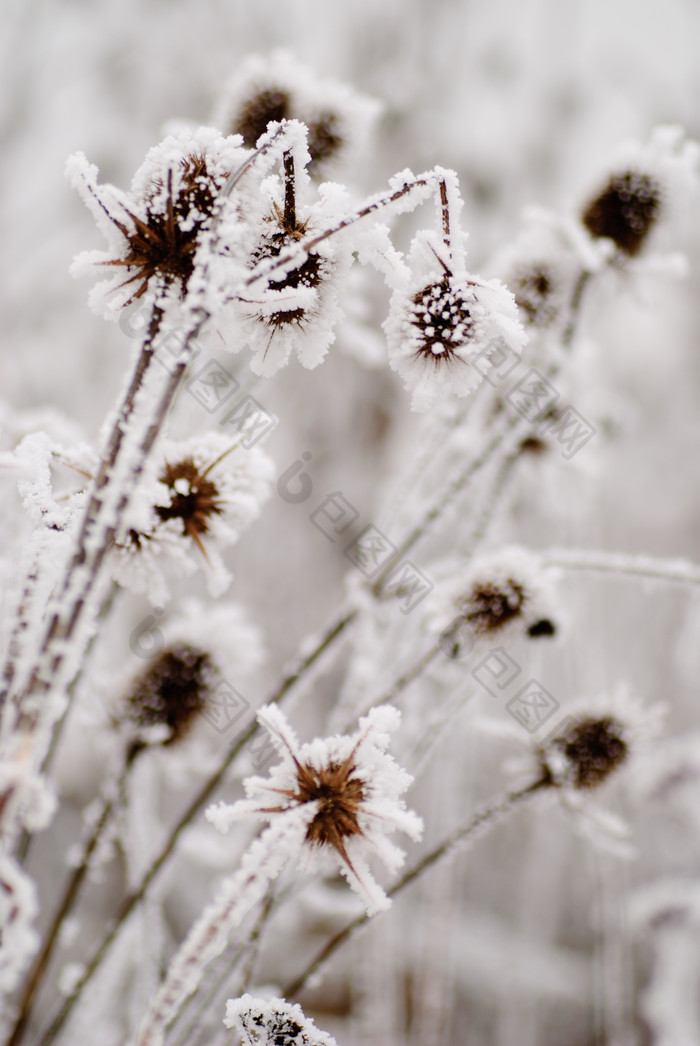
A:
272, 88
171, 692
272, 1022
644, 184
351, 788
442, 321
155, 231
498, 596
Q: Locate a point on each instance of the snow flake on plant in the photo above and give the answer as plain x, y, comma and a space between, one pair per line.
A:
354, 787
272, 1022
208, 490
645, 183
269, 89
442, 321
155, 231
496, 597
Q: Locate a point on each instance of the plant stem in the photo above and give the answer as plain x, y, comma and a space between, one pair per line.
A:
70, 894
681, 571
483, 821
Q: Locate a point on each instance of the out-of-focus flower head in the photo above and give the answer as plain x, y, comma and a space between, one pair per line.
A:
644, 186
272, 88
496, 597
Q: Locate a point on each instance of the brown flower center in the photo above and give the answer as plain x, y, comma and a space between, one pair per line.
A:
267, 106
339, 795
165, 242
194, 498
489, 607
172, 690
594, 748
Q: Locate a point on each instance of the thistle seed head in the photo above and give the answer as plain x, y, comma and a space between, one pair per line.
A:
194, 498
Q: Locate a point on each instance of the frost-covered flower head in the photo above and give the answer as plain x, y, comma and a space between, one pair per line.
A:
154, 231
496, 597
295, 308
208, 490
269, 89
272, 1022
598, 738
352, 790
442, 320
200, 650
645, 183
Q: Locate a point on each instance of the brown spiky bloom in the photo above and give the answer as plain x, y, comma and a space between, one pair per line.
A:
625, 210
324, 139
442, 320
173, 689
490, 606
342, 793
163, 242
194, 498
591, 750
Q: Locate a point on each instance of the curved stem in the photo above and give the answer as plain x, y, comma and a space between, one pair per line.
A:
482, 822
70, 894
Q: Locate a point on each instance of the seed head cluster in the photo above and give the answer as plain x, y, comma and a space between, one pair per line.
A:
339, 794
534, 289
273, 104
625, 210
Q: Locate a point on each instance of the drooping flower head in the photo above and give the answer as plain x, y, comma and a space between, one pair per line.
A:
290, 300
351, 788
272, 88
443, 321
155, 231
644, 184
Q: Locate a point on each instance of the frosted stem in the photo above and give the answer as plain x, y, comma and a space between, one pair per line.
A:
682, 571
237, 897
